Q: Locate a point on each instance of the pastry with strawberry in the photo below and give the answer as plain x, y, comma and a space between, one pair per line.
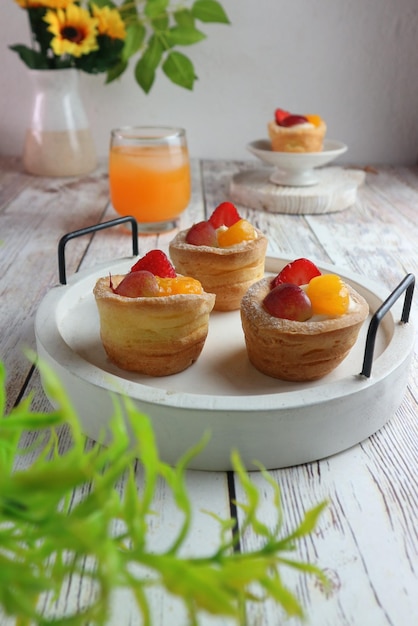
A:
225, 253
301, 324
290, 132
152, 320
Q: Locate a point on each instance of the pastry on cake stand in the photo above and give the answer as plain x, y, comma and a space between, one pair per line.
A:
297, 182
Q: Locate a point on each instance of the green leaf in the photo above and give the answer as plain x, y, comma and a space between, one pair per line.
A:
144, 75
209, 11
280, 593
128, 12
104, 3
32, 58
116, 71
3, 377
108, 54
201, 584
154, 8
179, 69
184, 17
160, 24
252, 497
64, 516
135, 35
175, 478
184, 36
31, 421
39, 29
309, 522
148, 63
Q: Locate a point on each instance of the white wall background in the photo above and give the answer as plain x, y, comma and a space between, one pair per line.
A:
355, 62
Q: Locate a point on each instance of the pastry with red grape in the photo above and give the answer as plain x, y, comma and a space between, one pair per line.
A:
225, 253
152, 320
300, 325
291, 132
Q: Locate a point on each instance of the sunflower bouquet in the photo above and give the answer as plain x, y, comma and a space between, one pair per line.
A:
99, 36
65, 33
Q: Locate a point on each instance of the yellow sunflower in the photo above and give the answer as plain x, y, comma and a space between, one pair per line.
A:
74, 31
110, 22
47, 4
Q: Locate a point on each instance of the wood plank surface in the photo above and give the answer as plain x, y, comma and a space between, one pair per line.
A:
31, 224
367, 538
33, 218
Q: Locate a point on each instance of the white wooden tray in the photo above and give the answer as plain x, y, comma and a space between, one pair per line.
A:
276, 423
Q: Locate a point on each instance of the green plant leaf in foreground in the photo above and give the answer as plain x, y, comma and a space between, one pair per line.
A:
48, 535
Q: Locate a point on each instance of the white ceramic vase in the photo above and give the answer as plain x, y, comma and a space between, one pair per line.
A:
58, 139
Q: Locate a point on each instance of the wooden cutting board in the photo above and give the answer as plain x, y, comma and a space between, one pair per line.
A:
336, 190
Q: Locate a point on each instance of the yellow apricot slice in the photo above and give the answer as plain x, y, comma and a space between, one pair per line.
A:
314, 119
238, 232
180, 284
328, 295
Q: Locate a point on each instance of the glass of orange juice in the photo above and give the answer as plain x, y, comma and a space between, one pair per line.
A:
149, 175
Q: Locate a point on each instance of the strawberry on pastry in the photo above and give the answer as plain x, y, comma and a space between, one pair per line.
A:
157, 263
280, 115
225, 214
298, 272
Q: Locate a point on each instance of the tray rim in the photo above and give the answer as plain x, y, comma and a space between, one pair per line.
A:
303, 396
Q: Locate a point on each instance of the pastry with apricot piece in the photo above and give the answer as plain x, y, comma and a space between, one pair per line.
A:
225, 253
152, 320
302, 324
296, 133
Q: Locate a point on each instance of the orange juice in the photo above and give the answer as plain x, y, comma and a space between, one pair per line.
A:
152, 183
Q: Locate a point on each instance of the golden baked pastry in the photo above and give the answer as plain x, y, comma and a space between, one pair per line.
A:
224, 270
157, 336
298, 350
154, 335
296, 133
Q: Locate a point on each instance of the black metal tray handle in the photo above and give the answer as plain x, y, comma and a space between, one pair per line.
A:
407, 285
92, 229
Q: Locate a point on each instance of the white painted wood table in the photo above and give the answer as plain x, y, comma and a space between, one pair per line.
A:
367, 539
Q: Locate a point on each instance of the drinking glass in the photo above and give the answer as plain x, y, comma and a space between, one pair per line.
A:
149, 175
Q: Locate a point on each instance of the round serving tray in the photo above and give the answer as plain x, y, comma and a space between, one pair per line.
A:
275, 423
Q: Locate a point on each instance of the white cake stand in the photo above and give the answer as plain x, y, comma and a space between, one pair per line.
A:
296, 169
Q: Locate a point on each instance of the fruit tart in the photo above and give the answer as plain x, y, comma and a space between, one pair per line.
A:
152, 320
300, 325
296, 133
225, 253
